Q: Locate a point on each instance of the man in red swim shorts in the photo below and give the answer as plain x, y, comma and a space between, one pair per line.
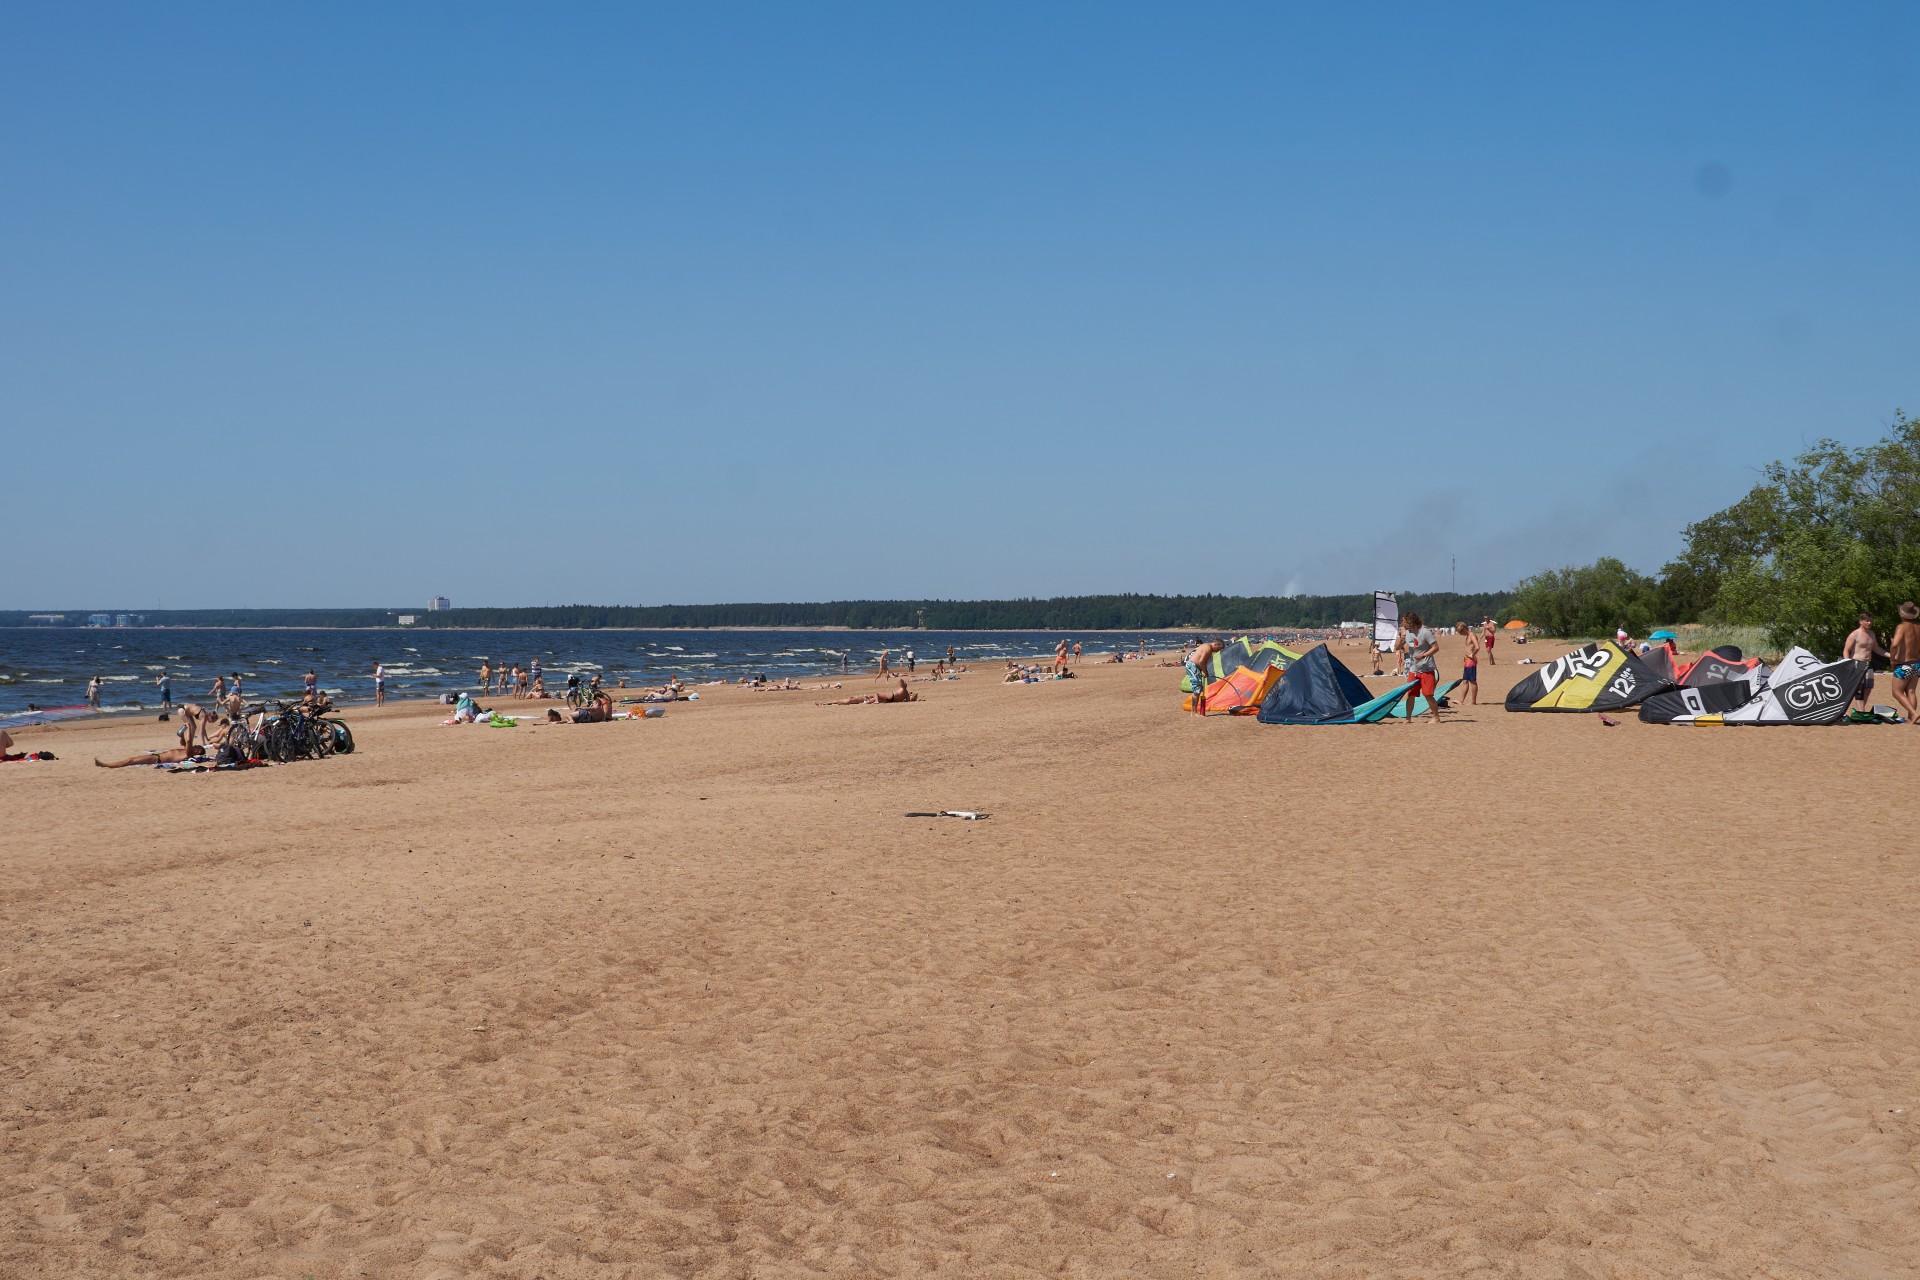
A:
1422, 669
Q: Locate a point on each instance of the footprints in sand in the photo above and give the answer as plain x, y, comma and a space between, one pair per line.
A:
1819, 1143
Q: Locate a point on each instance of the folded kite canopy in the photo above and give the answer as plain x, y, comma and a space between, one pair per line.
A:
1598, 677
1254, 655
1240, 694
1802, 690
1318, 689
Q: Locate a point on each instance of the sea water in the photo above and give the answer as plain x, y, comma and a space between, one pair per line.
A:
50, 666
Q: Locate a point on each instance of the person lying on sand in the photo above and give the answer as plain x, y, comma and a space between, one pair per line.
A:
903, 694
595, 712
172, 755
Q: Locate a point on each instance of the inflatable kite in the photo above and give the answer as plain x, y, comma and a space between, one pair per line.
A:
1255, 655
1240, 694
1599, 677
1318, 689
1802, 690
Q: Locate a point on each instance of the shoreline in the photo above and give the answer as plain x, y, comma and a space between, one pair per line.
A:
952, 631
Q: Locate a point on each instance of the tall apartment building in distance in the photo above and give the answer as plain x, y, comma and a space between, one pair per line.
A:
439, 604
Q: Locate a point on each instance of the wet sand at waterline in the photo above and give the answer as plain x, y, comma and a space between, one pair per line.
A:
1512, 995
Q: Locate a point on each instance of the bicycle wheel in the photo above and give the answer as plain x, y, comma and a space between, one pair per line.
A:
243, 742
342, 737
274, 741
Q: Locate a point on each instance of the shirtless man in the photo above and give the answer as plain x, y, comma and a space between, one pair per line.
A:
1197, 659
172, 755
1863, 646
219, 691
1487, 634
903, 694
213, 736
486, 676
1905, 653
597, 711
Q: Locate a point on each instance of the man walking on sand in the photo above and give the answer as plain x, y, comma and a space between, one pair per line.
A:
1487, 636
1863, 646
1905, 653
379, 685
1422, 667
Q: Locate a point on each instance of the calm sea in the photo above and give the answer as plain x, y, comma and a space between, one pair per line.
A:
50, 667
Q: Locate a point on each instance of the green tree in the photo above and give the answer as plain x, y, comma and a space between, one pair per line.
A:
1591, 600
1817, 541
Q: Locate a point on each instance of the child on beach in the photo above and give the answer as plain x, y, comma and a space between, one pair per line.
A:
1469, 667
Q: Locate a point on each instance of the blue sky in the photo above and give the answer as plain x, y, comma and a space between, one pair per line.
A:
353, 304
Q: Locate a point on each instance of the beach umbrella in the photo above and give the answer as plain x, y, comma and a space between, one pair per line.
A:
1664, 635
1515, 625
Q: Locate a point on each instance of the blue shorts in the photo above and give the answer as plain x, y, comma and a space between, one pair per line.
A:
1470, 674
1194, 677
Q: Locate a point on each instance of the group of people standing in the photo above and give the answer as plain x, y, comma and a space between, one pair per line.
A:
1902, 655
513, 682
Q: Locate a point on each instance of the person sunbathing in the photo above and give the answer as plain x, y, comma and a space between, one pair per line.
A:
903, 694
595, 712
172, 755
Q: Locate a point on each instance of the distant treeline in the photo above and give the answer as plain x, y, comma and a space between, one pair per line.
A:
1062, 613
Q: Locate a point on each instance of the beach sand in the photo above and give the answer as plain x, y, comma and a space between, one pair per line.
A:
1513, 995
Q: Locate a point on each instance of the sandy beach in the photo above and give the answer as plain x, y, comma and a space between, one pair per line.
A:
1516, 995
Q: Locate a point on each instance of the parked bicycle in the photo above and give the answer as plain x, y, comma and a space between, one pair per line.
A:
299, 731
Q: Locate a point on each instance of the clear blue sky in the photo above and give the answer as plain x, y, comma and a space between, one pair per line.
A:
354, 303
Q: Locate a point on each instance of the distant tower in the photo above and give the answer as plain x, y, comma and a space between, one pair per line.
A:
439, 604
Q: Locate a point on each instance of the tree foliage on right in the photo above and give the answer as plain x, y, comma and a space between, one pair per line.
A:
1835, 532
1818, 540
